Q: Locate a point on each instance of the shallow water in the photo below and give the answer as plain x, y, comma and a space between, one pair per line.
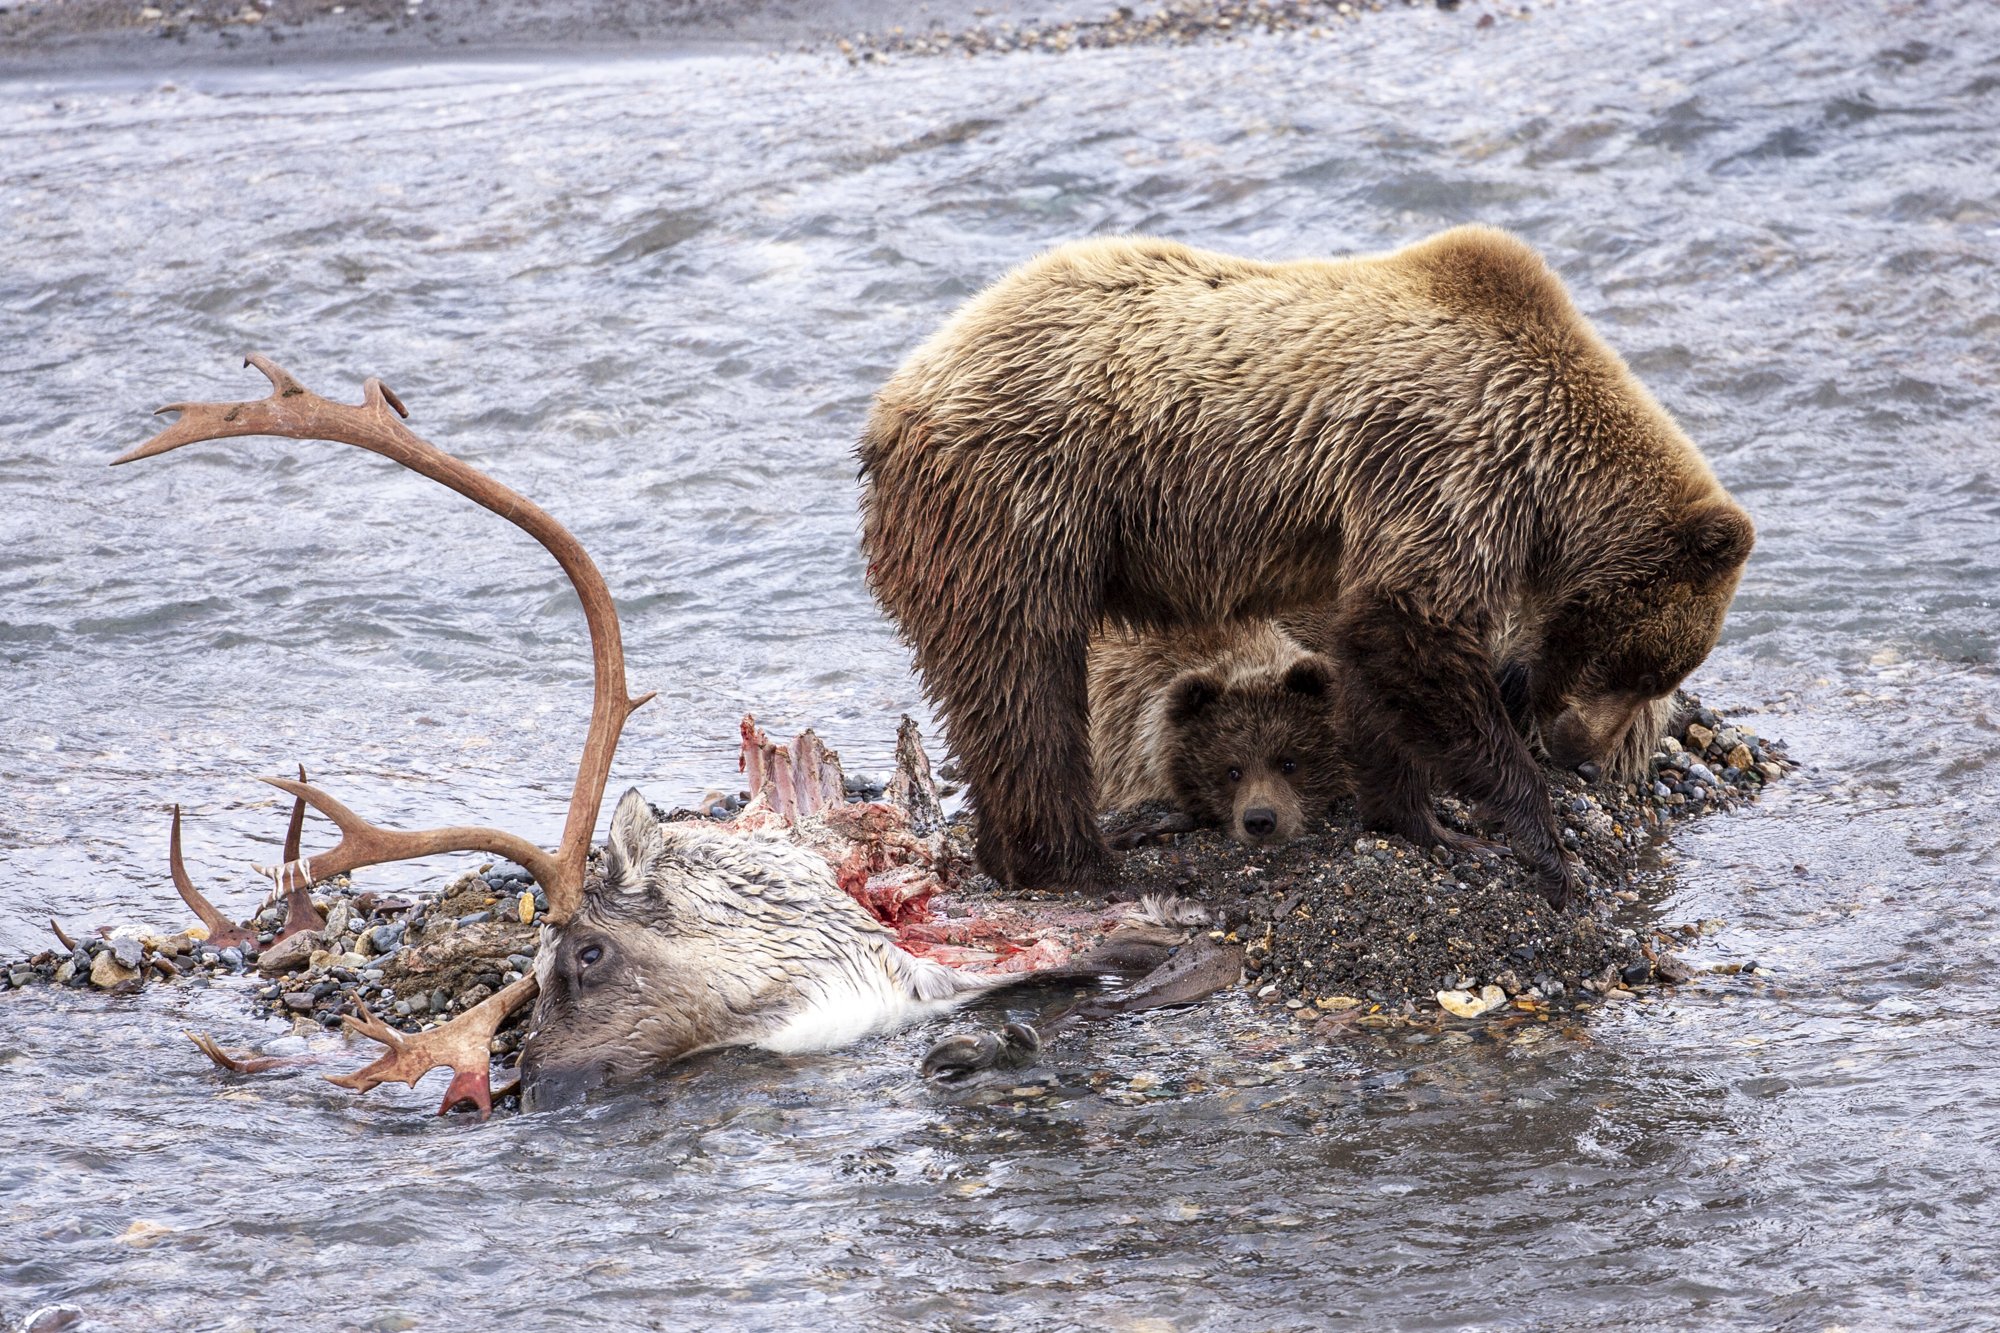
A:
655, 296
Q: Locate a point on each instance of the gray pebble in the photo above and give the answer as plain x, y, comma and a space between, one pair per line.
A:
127, 952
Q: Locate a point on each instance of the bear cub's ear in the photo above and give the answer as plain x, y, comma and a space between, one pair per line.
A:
1717, 537
1310, 676
1191, 694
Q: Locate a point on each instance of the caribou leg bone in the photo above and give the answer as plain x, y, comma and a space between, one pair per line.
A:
222, 932
462, 1045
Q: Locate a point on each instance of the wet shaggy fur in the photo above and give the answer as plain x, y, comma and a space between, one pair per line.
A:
694, 937
1234, 727
1432, 447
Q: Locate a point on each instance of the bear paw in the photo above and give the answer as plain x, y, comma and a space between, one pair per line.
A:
1015, 1046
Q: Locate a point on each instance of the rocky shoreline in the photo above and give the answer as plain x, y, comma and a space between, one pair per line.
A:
1169, 22
1342, 928
43, 37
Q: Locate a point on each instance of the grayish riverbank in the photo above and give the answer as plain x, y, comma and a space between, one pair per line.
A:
81, 37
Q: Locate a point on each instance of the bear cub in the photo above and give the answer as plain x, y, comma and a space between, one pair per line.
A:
1236, 727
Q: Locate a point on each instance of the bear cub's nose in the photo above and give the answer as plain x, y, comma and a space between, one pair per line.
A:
1261, 822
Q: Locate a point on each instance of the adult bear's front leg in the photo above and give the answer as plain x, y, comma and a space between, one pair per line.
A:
1427, 678
1020, 726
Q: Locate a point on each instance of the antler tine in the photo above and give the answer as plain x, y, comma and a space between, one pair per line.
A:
297, 825
460, 1045
222, 932
365, 844
291, 879
295, 412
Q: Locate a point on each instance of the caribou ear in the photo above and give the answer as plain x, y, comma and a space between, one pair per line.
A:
1191, 694
635, 839
1717, 538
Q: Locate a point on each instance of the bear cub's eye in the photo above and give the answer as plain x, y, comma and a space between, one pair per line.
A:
1236, 775
1287, 766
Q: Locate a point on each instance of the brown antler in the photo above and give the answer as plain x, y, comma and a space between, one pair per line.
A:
295, 412
376, 424
462, 1044
300, 914
222, 932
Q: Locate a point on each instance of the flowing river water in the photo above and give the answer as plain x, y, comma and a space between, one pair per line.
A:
655, 295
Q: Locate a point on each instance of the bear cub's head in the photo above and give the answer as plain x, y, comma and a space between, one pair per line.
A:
1256, 756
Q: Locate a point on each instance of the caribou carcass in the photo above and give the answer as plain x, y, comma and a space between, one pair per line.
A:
685, 936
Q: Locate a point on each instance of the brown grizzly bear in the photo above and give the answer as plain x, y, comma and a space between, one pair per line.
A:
1432, 446
1236, 728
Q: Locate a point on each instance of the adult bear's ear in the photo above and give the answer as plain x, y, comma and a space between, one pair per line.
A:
1191, 694
1310, 675
1716, 539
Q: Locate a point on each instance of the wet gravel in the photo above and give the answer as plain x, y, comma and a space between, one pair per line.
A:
413, 960
1346, 926
1341, 927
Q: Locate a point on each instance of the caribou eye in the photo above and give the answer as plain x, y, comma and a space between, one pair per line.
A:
589, 954
1236, 775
